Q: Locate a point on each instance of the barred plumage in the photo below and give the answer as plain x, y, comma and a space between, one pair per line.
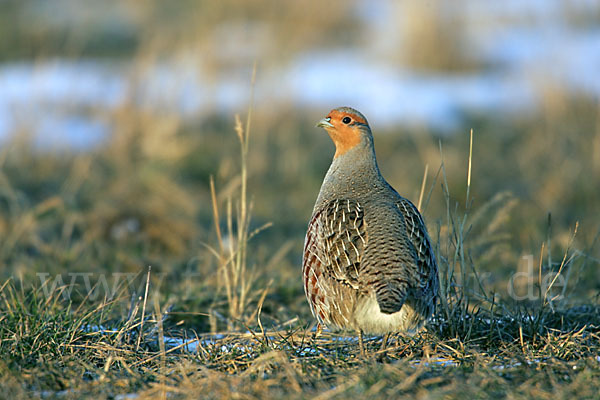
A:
368, 264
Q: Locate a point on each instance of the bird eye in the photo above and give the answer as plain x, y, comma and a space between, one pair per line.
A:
346, 120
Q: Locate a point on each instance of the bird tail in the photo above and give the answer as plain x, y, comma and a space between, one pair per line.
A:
391, 295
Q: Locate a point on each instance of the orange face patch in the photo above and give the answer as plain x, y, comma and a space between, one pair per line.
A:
344, 134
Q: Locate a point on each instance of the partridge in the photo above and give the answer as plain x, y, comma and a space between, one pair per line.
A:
368, 263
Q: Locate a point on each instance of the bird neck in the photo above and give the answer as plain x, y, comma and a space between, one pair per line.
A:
351, 174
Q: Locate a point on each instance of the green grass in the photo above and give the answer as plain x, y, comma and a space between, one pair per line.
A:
224, 279
194, 231
48, 347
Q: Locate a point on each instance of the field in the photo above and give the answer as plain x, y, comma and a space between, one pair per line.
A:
165, 261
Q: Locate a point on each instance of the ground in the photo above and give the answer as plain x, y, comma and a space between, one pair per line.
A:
118, 282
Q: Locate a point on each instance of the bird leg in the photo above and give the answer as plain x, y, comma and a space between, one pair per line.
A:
384, 341
315, 335
361, 343
317, 331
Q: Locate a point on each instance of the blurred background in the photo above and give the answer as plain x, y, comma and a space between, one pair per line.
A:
115, 114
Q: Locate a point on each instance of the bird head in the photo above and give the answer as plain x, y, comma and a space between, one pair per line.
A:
347, 128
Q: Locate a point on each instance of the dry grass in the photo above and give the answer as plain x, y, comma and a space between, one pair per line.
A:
160, 234
49, 350
239, 304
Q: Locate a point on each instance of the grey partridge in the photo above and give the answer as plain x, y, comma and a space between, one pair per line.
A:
368, 264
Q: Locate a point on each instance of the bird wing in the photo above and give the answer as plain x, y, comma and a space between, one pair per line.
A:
399, 263
334, 244
417, 234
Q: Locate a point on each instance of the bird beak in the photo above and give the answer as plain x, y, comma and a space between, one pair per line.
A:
324, 123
